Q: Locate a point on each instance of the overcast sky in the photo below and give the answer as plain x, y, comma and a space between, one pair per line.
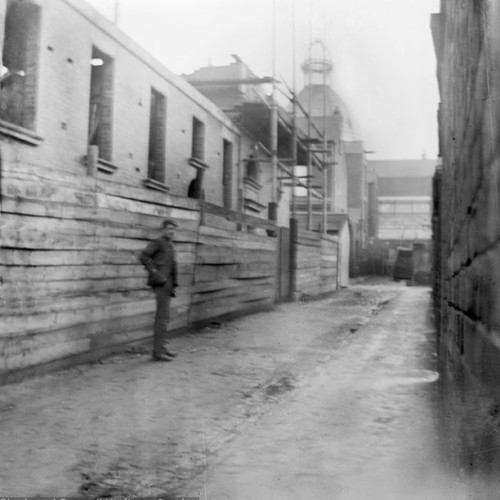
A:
384, 63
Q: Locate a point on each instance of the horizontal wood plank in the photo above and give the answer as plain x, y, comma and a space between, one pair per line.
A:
71, 277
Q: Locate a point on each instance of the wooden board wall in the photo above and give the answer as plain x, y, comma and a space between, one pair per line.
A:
329, 264
234, 272
71, 280
317, 257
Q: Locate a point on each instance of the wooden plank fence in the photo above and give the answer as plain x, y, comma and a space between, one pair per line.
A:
71, 281
316, 263
71, 284
235, 271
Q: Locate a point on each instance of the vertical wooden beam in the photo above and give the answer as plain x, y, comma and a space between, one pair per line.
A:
325, 144
240, 174
92, 159
294, 115
293, 258
309, 127
274, 129
3, 14
492, 55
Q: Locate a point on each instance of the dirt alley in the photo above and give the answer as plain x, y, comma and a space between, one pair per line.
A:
132, 427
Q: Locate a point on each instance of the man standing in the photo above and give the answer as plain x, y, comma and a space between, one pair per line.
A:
159, 260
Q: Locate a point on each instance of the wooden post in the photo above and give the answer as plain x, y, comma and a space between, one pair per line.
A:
309, 186
293, 258
3, 14
294, 116
274, 156
492, 55
92, 159
294, 155
273, 211
309, 127
273, 139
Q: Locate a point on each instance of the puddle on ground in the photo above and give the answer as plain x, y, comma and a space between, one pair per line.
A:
411, 378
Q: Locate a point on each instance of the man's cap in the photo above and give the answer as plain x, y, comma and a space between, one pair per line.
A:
170, 221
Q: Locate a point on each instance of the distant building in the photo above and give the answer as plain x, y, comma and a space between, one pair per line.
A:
404, 199
331, 170
236, 90
99, 142
229, 85
325, 119
357, 198
403, 205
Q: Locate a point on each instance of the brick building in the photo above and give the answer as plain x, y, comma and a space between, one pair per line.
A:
241, 94
81, 82
331, 163
467, 224
98, 142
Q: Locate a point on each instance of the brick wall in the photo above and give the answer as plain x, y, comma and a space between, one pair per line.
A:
467, 209
62, 50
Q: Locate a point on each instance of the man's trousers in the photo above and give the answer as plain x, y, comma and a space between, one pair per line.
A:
162, 318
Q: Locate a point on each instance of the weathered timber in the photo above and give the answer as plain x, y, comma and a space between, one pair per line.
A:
215, 273
230, 286
237, 217
72, 283
316, 261
11, 275
211, 311
216, 255
27, 350
31, 182
58, 318
56, 210
239, 235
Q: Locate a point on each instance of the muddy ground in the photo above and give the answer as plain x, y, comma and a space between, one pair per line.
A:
311, 386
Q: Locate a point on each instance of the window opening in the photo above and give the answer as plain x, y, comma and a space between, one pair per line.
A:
253, 168
227, 173
198, 144
195, 188
101, 103
156, 151
19, 63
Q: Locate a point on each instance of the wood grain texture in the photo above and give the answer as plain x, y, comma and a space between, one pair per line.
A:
72, 282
